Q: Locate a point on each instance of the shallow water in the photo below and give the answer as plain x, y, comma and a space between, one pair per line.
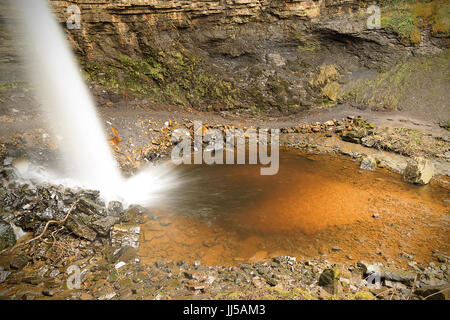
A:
317, 205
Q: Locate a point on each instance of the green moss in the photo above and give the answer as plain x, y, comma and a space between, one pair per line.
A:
173, 76
363, 295
5, 87
401, 22
258, 98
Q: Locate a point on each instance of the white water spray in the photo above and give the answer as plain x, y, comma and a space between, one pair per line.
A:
72, 114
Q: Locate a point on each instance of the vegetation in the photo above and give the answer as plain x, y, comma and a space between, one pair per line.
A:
174, 76
391, 89
408, 17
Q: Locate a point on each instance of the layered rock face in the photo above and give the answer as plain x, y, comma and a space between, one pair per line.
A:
284, 55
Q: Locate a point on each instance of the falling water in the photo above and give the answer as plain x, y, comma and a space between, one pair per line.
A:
71, 111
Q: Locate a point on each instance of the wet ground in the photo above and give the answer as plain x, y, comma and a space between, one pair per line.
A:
317, 206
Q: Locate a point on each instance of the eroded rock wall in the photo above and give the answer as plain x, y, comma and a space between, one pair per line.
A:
258, 54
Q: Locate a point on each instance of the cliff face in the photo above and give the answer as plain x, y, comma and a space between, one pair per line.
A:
282, 54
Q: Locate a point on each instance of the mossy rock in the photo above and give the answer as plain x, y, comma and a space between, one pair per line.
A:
331, 90
328, 277
7, 236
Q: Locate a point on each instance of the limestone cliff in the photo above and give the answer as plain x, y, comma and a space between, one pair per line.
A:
282, 55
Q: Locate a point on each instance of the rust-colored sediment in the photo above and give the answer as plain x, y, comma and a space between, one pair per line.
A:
316, 207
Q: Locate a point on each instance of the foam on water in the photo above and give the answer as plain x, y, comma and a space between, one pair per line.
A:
72, 115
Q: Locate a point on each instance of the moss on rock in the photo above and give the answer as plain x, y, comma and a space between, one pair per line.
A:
7, 236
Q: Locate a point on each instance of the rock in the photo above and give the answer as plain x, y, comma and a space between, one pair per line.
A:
368, 163
331, 90
104, 225
115, 209
54, 273
34, 280
276, 59
78, 226
271, 281
368, 141
133, 212
50, 292
89, 207
259, 256
7, 236
441, 257
86, 296
106, 295
125, 293
363, 295
18, 232
390, 274
125, 234
327, 277
354, 135
19, 262
4, 275
434, 292
164, 221
419, 171
127, 254
396, 285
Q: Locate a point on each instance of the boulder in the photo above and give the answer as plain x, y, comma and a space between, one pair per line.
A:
79, 227
89, 207
355, 135
419, 171
7, 236
368, 163
103, 225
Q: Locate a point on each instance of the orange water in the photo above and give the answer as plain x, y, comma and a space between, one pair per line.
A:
228, 214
